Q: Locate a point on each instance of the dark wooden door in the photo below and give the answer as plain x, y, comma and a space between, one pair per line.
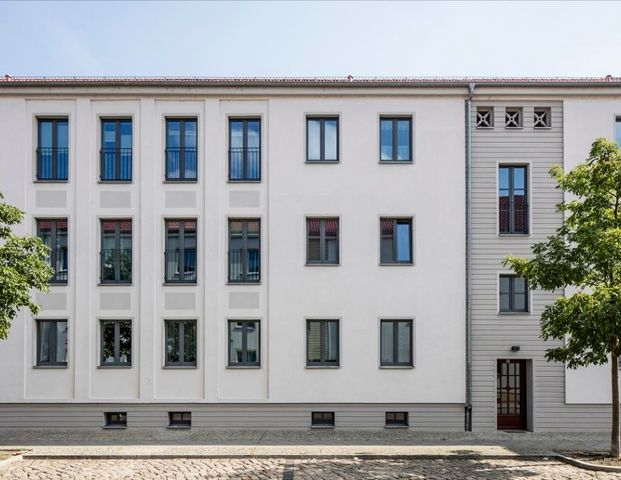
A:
511, 395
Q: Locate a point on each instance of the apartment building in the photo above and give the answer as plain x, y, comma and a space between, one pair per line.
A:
292, 253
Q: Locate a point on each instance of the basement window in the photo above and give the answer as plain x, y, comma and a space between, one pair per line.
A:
542, 117
322, 419
115, 419
485, 117
397, 419
179, 419
513, 117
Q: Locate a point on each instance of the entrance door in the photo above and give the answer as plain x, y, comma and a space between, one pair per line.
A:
511, 395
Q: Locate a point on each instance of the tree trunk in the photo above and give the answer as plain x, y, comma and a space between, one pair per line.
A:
614, 438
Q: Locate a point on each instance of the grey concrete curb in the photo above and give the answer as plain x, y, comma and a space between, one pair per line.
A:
587, 466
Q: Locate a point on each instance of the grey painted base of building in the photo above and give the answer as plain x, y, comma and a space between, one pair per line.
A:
422, 417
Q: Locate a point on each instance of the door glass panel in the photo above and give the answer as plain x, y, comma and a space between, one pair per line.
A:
126, 134
173, 138
190, 134
62, 139
254, 139
109, 134
45, 133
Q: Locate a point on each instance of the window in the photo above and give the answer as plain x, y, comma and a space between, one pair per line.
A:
181, 149
618, 130
396, 343
513, 117
397, 419
322, 419
53, 232
513, 294
244, 343
180, 251
116, 343
180, 343
115, 419
322, 139
396, 139
244, 251
542, 117
512, 199
116, 251
116, 150
322, 343
485, 117
322, 236
53, 149
180, 419
396, 241
52, 343
244, 149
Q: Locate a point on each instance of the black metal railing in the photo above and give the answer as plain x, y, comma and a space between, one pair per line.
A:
52, 163
180, 266
116, 164
181, 164
245, 163
245, 266
116, 266
59, 260
513, 218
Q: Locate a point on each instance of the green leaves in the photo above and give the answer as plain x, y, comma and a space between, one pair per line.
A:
23, 266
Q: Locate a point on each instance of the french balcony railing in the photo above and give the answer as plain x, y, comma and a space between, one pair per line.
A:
181, 164
52, 164
59, 260
116, 266
180, 265
513, 219
245, 266
116, 164
245, 164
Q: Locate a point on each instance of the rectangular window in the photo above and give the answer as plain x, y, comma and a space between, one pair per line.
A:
180, 343
180, 251
116, 343
52, 341
115, 419
181, 153
53, 232
116, 251
116, 150
513, 294
396, 139
512, 199
322, 241
396, 343
322, 419
244, 251
53, 149
397, 419
322, 343
244, 149
322, 139
180, 419
396, 241
244, 343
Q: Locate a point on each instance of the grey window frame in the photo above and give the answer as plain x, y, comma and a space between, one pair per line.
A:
245, 121
617, 129
326, 420
244, 362
244, 251
511, 168
55, 148
180, 363
323, 241
109, 423
184, 422
117, 262
53, 250
117, 153
322, 138
117, 343
395, 241
52, 346
323, 332
394, 422
512, 277
395, 142
181, 261
182, 150
395, 343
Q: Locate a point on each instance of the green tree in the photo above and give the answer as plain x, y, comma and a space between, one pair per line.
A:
585, 253
23, 266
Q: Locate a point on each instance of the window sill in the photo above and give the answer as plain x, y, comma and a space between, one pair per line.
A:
542, 128
322, 162
115, 182
322, 427
119, 284
50, 181
396, 162
50, 367
58, 284
180, 367
514, 128
243, 367
243, 283
178, 427
514, 235
179, 284
114, 367
243, 181
396, 427
396, 367
511, 314
322, 367
400, 264
193, 181
114, 427
484, 128
322, 264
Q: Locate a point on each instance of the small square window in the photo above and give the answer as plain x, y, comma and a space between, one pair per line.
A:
397, 419
322, 419
485, 117
116, 419
542, 117
513, 117
180, 419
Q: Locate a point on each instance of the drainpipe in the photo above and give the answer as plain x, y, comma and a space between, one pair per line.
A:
468, 406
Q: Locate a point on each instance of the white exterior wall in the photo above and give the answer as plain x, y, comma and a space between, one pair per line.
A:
358, 292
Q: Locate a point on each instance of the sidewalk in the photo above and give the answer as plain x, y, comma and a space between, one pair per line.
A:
300, 443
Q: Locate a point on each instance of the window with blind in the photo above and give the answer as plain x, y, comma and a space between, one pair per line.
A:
322, 245
396, 241
322, 343
53, 233
244, 250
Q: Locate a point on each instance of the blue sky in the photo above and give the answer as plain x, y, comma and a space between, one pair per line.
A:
255, 38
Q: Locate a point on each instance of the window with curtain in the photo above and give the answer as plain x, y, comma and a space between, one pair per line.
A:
322, 343
396, 343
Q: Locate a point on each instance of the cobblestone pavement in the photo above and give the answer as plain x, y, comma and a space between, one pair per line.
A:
299, 469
